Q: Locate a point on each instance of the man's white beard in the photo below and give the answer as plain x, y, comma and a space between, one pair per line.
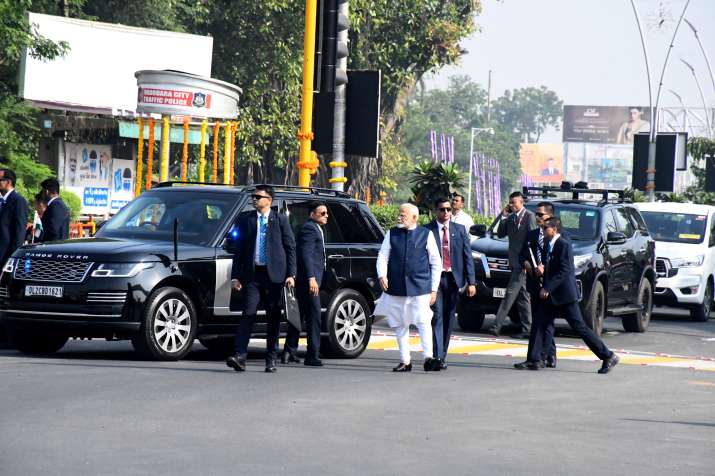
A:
400, 225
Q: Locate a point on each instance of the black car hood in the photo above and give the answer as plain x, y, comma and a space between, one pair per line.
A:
500, 249
111, 250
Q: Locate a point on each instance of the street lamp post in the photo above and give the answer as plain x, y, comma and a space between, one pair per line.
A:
702, 49
478, 130
702, 97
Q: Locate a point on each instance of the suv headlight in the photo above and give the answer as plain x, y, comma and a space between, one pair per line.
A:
691, 262
580, 261
120, 270
477, 255
9, 266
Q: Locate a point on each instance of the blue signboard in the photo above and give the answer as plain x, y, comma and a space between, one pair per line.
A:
95, 197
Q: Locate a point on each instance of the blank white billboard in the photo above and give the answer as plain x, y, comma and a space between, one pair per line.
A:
97, 73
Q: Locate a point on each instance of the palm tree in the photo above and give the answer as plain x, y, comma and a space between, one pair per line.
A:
432, 181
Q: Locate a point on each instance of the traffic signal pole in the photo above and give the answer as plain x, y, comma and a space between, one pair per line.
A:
305, 135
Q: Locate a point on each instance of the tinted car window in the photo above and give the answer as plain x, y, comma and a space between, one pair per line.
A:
151, 217
579, 222
711, 241
299, 213
609, 223
637, 219
625, 225
352, 224
676, 227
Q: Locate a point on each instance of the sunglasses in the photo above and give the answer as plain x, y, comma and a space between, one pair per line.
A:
445, 209
323, 214
258, 197
542, 215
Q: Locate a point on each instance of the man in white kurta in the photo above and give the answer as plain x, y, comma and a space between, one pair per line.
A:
409, 275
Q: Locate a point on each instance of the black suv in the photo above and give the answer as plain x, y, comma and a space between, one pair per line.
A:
614, 257
159, 271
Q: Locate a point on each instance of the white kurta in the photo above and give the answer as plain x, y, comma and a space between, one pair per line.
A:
405, 310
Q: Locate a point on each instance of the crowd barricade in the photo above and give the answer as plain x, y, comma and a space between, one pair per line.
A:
82, 230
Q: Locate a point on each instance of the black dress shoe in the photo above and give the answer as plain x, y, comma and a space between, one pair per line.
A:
551, 362
271, 366
236, 363
528, 365
608, 364
403, 367
431, 365
442, 364
288, 357
313, 362
495, 331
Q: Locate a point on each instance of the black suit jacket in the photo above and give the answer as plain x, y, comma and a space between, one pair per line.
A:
280, 248
56, 221
560, 275
460, 251
311, 253
13, 225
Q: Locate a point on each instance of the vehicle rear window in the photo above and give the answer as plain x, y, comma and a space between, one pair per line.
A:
676, 227
578, 223
151, 217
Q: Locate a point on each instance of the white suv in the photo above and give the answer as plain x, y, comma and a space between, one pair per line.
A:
685, 255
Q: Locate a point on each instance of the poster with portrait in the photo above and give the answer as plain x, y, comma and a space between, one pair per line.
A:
121, 184
542, 163
605, 124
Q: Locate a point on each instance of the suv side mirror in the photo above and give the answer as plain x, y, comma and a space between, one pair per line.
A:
478, 230
615, 238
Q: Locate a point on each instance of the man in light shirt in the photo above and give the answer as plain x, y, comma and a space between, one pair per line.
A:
409, 268
459, 215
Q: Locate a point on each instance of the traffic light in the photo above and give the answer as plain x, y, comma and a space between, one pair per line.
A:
331, 47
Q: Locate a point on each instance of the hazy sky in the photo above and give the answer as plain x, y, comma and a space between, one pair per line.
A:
588, 51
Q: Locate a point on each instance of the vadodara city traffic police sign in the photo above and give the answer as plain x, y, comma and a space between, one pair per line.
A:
184, 94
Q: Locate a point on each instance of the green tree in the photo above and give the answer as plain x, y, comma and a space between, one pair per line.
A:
529, 111
432, 181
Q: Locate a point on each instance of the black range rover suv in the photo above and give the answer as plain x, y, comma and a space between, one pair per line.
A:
614, 257
159, 271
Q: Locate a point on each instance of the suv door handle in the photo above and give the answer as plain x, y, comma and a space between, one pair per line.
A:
336, 256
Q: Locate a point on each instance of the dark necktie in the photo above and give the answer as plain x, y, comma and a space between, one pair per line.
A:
446, 262
540, 248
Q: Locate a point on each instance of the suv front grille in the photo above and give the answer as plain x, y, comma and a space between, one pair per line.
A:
663, 268
498, 264
51, 270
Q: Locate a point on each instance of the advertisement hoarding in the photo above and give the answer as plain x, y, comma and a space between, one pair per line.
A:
605, 124
542, 163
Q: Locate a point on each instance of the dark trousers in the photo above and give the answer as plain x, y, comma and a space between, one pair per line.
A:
260, 289
292, 337
443, 318
548, 346
515, 293
310, 313
572, 313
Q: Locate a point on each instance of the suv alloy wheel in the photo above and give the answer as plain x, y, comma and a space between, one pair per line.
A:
348, 324
168, 325
701, 313
639, 321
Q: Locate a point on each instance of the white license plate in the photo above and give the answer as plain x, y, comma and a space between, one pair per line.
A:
499, 292
51, 291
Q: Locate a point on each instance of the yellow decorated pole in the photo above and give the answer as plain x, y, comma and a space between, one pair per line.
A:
185, 152
233, 151
202, 151
164, 170
214, 172
227, 153
306, 116
150, 155
140, 158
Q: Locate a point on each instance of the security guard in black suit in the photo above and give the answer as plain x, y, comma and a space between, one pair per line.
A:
559, 297
311, 265
56, 218
264, 261
13, 216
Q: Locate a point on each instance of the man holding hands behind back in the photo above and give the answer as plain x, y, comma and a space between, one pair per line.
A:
457, 272
409, 269
311, 265
265, 260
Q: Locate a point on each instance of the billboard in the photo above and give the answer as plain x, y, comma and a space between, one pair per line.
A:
97, 73
542, 163
605, 124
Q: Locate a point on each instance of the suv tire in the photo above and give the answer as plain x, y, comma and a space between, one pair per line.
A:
31, 340
701, 313
168, 325
348, 324
469, 320
639, 321
595, 311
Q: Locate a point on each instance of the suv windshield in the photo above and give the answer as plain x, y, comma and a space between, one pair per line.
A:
580, 223
151, 217
676, 227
